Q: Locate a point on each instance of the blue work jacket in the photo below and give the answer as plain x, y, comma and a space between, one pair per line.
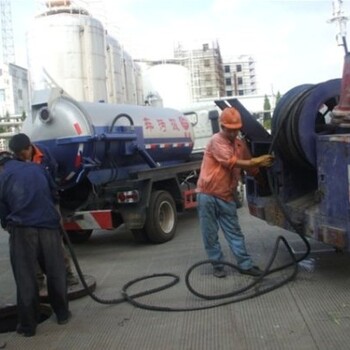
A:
27, 196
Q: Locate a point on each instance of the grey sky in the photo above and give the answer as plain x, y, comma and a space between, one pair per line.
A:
290, 39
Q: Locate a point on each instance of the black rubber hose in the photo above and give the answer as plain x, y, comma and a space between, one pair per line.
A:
113, 165
302, 91
120, 115
176, 279
285, 125
250, 286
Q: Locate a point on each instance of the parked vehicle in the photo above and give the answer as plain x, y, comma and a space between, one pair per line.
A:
119, 164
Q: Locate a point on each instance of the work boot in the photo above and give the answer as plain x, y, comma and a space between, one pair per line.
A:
62, 321
71, 279
253, 271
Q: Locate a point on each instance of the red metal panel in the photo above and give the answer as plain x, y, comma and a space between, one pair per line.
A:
104, 219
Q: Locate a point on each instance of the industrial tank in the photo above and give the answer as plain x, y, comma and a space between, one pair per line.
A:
129, 78
115, 72
124, 79
66, 49
106, 142
139, 86
171, 82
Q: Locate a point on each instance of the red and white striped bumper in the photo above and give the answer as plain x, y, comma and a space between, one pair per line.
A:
89, 220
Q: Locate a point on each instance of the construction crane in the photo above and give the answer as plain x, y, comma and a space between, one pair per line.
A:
8, 47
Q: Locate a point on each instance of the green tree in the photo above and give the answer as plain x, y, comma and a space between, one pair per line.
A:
278, 97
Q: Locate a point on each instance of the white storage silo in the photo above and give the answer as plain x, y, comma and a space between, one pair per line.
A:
115, 72
66, 48
172, 83
139, 86
130, 81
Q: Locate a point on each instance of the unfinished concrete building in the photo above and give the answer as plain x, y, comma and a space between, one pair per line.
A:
206, 69
240, 76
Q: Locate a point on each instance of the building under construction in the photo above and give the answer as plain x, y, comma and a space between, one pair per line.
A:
206, 69
240, 76
213, 76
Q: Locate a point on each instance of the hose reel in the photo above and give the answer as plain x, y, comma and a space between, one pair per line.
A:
302, 114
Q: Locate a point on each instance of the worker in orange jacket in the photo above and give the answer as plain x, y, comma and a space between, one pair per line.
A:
224, 158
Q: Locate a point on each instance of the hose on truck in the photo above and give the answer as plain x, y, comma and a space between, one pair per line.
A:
285, 114
297, 117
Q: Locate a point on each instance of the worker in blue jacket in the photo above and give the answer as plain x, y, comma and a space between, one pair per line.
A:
28, 213
21, 145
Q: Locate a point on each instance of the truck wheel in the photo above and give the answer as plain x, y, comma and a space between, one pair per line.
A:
79, 236
161, 219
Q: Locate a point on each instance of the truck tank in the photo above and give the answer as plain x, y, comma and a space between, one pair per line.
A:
107, 142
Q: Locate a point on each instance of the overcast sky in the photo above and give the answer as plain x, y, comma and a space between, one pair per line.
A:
291, 40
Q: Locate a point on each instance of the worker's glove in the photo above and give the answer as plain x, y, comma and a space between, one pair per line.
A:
265, 160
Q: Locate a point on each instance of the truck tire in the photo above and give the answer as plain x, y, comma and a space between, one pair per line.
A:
79, 236
161, 218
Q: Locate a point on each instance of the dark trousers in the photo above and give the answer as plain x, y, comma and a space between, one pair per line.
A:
67, 263
27, 246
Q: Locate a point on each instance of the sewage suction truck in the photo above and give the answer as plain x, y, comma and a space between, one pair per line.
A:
118, 164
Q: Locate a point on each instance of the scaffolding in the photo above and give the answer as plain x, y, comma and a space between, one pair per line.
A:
206, 70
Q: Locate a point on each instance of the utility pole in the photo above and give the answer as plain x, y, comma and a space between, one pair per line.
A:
340, 19
8, 47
